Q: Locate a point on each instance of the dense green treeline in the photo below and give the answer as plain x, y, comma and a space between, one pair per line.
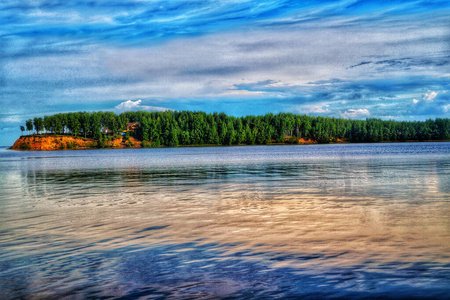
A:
173, 128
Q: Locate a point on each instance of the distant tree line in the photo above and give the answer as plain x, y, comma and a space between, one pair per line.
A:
173, 128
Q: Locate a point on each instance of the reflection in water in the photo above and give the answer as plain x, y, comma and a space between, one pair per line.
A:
248, 222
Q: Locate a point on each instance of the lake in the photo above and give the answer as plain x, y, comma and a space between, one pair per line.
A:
315, 221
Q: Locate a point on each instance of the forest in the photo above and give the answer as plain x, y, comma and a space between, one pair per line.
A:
174, 128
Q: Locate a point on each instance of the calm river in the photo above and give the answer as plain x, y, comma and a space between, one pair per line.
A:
264, 222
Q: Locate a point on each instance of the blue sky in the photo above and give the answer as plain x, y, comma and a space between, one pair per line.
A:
350, 59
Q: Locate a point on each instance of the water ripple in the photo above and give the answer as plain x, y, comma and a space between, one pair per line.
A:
336, 221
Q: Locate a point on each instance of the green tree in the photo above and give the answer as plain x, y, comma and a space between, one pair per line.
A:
57, 123
74, 124
144, 130
185, 140
223, 133
173, 138
47, 123
85, 122
38, 124
213, 135
29, 125
230, 134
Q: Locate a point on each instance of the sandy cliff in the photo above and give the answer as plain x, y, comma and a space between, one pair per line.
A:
57, 142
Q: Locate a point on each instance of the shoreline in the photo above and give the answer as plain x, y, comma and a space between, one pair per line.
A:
60, 143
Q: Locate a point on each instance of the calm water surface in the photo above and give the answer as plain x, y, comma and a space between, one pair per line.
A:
319, 221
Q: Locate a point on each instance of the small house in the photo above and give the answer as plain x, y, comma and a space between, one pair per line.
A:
132, 126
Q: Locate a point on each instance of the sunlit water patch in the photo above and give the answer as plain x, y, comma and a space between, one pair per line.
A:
322, 221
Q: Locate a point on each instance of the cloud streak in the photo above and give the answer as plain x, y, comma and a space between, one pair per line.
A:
355, 113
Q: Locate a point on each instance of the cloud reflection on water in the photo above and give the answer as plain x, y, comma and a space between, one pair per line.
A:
341, 226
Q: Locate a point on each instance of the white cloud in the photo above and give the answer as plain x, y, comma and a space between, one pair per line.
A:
355, 113
321, 108
446, 107
429, 96
415, 101
12, 119
131, 105
211, 65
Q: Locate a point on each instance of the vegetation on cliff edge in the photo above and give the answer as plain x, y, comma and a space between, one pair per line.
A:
173, 128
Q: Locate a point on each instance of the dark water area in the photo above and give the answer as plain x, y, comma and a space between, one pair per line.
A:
348, 221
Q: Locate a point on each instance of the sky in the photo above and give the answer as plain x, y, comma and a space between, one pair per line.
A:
349, 59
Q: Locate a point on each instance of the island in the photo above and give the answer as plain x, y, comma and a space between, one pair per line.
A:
136, 129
